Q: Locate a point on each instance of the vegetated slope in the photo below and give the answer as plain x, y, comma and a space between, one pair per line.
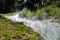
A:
16, 31
48, 12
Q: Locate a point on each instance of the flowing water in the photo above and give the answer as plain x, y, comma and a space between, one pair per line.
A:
47, 29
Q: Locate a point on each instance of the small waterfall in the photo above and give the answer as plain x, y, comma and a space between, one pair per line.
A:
47, 29
42, 2
25, 0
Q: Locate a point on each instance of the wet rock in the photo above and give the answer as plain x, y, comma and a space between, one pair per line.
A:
20, 23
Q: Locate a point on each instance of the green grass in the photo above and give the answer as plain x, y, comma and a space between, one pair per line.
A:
14, 30
51, 12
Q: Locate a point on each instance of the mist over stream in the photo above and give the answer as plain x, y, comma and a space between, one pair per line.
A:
48, 30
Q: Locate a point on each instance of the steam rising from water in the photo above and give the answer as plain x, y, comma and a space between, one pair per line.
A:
47, 29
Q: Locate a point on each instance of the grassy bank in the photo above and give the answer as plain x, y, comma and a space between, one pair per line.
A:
51, 11
16, 31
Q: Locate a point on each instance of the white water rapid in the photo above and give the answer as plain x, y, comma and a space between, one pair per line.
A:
47, 29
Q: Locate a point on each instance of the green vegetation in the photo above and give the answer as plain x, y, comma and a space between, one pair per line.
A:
51, 11
15, 31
